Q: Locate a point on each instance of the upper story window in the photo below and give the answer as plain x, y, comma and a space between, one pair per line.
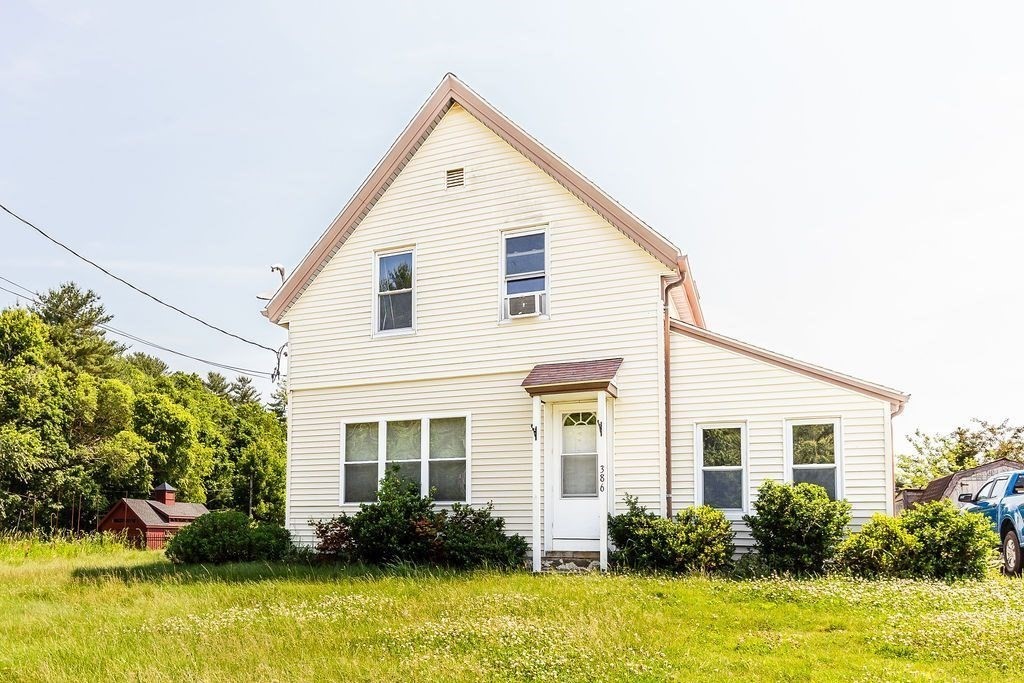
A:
525, 286
394, 299
814, 454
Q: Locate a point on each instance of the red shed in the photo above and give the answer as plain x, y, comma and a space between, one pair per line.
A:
151, 522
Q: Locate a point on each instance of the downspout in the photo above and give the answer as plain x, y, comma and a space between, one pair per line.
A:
681, 267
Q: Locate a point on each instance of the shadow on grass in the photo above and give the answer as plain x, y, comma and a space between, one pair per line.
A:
253, 572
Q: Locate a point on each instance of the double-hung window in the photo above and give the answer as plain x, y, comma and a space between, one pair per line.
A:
432, 453
814, 454
524, 290
721, 459
395, 297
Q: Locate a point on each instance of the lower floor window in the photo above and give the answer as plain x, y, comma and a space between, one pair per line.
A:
432, 453
813, 454
721, 457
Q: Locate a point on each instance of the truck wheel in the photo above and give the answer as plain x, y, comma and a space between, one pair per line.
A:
1011, 553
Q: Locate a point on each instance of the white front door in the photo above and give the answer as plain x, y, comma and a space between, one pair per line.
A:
573, 490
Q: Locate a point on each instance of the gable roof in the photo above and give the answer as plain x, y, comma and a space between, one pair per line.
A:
155, 514
937, 489
451, 91
897, 399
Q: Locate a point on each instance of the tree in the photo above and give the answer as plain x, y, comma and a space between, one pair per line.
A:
936, 455
242, 391
279, 404
149, 365
218, 384
74, 319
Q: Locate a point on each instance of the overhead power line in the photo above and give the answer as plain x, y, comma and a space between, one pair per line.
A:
137, 289
33, 297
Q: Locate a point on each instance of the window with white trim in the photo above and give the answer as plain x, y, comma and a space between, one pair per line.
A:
721, 459
394, 299
814, 454
431, 452
524, 265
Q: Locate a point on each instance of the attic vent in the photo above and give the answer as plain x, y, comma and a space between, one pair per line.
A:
454, 177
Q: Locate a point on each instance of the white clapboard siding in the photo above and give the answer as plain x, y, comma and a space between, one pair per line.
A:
713, 384
604, 302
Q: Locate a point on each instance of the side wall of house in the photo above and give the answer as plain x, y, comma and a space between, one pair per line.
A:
711, 384
605, 301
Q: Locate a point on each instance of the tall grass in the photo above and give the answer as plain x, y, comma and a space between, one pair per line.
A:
19, 545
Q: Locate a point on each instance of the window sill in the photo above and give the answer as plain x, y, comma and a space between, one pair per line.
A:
391, 334
521, 320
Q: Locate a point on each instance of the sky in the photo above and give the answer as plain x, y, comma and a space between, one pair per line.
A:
847, 178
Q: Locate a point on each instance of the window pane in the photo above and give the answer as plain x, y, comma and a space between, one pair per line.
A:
822, 476
814, 444
361, 483
395, 311
529, 285
524, 263
408, 471
579, 475
403, 440
579, 433
361, 442
395, 272
448, 438
723, 489
524, 254
449, 480
723, 447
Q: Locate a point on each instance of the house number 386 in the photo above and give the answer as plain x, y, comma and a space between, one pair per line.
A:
600, 480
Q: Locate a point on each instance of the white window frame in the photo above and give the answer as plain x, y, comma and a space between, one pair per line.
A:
375, 321
540, 229
732, 514
837, 430
424, 460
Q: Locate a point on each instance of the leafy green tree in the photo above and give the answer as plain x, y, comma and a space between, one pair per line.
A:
279, 404
936, 455
83, 422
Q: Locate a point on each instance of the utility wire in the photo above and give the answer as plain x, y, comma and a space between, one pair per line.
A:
125, 282
31, 296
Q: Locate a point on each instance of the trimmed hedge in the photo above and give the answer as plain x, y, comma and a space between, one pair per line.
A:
933, 540
796, 527
219, 537
696, 539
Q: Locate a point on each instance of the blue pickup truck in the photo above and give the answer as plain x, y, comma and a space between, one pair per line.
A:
1001, 499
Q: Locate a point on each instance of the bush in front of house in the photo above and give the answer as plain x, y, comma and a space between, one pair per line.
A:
796, 527
882, 548
404, 527
219, 537
696, 539
932, 540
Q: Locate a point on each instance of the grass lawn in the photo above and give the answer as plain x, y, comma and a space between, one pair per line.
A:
114, 615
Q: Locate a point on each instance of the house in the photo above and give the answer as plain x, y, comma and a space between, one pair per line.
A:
151, 522
952, 485
490, 322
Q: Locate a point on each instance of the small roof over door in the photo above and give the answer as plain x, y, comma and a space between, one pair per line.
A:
560, 378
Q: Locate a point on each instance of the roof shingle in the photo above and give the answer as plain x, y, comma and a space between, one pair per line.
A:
581, 374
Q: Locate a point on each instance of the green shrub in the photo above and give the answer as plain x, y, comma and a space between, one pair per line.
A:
403, 527
219, 537
473, 537
932, 540
398, 527
882, 548
696, 539
796, 527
